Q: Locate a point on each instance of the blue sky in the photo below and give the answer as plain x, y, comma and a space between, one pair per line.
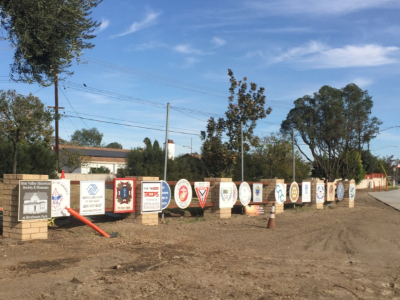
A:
149, 53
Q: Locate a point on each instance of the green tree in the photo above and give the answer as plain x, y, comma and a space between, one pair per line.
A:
114, 145
46, 35
31, 159
24, 119
245, 106
333, 123
100, 170
87, 137
370, 162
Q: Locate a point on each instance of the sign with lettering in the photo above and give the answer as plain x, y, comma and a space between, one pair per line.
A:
93, 200
257, 192
151, 197
124, 195
340, 191
225, 194
306, 192
202, 189
320, 193
352, 192
60, 197
330, 186
244, 193
165, 194
280, 193
34, 200
183, 193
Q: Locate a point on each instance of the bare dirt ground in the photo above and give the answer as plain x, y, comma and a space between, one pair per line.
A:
337, 253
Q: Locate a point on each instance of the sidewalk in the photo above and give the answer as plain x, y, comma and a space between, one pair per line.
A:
391, 198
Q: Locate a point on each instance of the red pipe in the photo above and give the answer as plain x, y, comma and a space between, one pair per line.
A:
87, 222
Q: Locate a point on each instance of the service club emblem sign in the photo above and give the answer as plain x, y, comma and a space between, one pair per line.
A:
340, 191
225, 194
124, 195
202, 189
352, 192
320, 193
244, 193
183, 193
294, 192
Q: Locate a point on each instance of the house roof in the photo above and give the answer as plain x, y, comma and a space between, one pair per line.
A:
96, 152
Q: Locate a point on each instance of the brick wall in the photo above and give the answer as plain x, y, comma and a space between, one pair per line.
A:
12, 228
148, 218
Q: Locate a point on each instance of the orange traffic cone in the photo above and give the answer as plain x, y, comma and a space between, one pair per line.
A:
62, 174
271, 221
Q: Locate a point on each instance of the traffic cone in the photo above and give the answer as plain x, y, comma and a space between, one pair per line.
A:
62, 174
387, 188
271, 221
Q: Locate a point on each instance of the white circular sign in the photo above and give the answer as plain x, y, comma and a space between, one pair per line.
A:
340, 191
352, 191
183, 193
294, 192
280, 193
235, 194
244, 193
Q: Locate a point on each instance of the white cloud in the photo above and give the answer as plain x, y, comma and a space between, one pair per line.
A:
218, 42
151, 19
319, 7
104, 24
187, 49
190, 61
315, 55
362, 82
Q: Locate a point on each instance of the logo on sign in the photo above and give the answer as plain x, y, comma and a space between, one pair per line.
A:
257, 191
183, 193
340, 191
124, 193
352, 191
320, 192
92, 189
56, 198
279, 194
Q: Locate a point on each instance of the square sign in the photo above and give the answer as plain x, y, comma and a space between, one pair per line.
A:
34, 200
320, 193
306, 192
257, 192
60, 197
226, 195
124, 195
93, 200
151, 197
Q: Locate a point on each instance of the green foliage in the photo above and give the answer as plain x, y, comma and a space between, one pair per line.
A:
31, 158
245, 106
24, 119
100, 170
114, 145
71, 159
150, 162
46, 35
87, 137
332, 123
371, 163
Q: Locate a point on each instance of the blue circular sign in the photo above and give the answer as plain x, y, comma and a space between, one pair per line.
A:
165, 194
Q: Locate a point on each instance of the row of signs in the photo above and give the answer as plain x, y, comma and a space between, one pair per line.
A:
280, 192
48, 199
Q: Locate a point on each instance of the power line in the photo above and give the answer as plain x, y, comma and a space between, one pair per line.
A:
127, 125
74, 108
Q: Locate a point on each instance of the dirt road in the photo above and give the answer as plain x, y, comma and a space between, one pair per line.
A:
336, 253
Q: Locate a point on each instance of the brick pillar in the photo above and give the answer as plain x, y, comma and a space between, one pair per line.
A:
145, 219
269, 195
213, 197
12, 228
314, 194
346, 202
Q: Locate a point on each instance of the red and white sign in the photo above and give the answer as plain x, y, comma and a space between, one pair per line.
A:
151, 197
124, 195
183, 193
202, 189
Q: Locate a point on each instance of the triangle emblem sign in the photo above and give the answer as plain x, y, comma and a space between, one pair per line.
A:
202, 189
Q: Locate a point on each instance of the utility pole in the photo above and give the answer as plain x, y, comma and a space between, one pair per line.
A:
241, 141
56, 116
191, 145
294, 178
166, 144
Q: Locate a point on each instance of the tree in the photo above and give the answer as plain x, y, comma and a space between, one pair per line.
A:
72, 159
245, 106
114, 145
370, 162
333, 123
24, 119
31, 158
87, 137
47, 35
